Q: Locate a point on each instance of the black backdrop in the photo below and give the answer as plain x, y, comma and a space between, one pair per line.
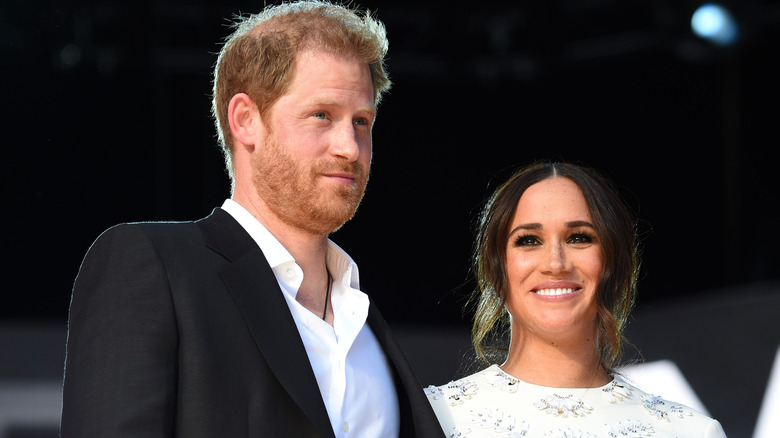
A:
106, 119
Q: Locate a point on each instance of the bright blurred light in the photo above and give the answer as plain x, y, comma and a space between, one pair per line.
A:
714, 23
665, 378
768, 421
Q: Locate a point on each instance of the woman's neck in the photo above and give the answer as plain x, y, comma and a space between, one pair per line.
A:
571, 364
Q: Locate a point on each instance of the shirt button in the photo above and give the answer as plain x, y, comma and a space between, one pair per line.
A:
345, 427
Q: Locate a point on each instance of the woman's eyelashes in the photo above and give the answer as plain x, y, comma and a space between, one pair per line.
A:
581, 237
527, 240
575, 238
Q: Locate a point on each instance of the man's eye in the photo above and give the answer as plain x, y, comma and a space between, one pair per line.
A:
320, 115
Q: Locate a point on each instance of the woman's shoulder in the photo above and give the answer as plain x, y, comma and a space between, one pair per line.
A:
670, 415
457, 391
471, 401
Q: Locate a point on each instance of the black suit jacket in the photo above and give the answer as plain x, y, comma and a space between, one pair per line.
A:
181, 330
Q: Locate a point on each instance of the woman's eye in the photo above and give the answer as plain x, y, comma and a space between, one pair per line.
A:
527, 241
580, 238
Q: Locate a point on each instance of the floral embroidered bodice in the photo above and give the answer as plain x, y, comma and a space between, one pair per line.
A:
493, 404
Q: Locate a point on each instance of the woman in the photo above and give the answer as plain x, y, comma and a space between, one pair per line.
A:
556, 261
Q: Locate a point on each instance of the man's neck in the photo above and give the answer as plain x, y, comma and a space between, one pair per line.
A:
307, 249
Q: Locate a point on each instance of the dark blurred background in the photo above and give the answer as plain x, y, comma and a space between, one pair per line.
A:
107, 120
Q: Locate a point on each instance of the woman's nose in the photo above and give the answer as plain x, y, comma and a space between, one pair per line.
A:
557, 260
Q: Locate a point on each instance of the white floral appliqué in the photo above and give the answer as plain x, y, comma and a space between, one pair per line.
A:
658, 408
616, 392
563, 406
458, 432
629, 429
463, 390
504, 381
499, 422
433, 392
569, 433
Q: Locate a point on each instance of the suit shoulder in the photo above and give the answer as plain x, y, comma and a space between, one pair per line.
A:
133, 239
149, 230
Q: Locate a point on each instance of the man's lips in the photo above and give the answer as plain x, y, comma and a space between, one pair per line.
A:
345, 178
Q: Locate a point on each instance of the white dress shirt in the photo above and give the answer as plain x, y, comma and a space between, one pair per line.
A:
351, 369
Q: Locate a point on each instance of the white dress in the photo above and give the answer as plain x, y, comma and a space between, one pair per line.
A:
493, 404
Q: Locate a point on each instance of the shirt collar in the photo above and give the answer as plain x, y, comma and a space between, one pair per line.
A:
339, 263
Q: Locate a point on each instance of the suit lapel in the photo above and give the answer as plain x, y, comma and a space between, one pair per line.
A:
251, 282
402, 370
417, 417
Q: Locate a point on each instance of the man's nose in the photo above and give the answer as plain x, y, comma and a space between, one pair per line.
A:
345, 143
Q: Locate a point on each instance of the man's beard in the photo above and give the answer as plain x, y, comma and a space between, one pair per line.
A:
298, 196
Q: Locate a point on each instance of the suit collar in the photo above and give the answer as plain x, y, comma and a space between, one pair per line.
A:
225, 236
255, 290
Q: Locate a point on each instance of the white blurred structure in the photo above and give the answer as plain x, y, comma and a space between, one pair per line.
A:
664, 379
33, 407
768, 424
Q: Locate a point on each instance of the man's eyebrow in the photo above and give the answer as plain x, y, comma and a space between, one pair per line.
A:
330, 102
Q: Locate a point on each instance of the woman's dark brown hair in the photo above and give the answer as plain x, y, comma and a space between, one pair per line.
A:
615, 228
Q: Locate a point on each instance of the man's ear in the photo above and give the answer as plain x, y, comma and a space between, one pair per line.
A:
244, 119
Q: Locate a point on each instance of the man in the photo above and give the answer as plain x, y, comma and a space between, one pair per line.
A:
250, 322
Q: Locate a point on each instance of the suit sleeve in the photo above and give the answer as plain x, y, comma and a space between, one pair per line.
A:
121, 361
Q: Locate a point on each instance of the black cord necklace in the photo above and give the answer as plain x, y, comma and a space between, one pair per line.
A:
327, 296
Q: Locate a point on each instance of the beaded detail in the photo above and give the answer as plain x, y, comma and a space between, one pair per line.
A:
463, 390
616, 392
504, 381
433, 392
500, 422
569, 433
629, 429
563, 406
658, 408
458, 432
